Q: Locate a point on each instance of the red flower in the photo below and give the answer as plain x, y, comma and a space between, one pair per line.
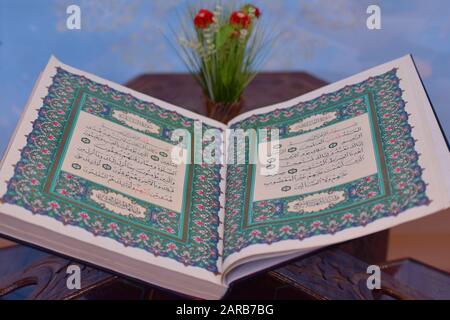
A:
203, 18
240, 19
83, 215
378, 207
316, 224
248, 7
113, 226
371, 194
255, 233
347, 216
143, 236
261, 218
54, 205
170, 230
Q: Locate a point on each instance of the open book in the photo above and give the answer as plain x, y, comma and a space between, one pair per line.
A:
147, 189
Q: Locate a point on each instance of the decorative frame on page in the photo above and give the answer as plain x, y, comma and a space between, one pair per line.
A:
49, 179
386, 186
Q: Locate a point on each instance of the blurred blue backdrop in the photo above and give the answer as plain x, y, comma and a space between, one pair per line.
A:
120, 39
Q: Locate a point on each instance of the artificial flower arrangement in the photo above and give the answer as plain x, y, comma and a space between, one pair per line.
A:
223, 50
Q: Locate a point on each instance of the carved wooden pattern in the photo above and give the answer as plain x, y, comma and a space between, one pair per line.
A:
333, 274
49, 278
328, 274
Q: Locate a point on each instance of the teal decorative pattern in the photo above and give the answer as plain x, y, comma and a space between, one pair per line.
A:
67, 202
401, 186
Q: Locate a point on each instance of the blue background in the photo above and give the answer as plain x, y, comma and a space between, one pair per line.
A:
120, 39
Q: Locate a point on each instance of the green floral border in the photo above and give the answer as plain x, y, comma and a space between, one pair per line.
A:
26, 187
406, 186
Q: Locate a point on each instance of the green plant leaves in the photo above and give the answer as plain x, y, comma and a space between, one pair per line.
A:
223, 35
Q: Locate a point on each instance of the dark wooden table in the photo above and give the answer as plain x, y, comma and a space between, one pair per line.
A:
337, 272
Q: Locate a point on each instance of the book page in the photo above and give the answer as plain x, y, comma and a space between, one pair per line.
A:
129, 161
341, 162
318, 160
93, 161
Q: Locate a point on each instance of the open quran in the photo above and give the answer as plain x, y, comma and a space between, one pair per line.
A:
138, 186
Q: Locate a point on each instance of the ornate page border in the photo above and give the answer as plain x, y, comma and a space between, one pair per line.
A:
25, 190
408, 188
